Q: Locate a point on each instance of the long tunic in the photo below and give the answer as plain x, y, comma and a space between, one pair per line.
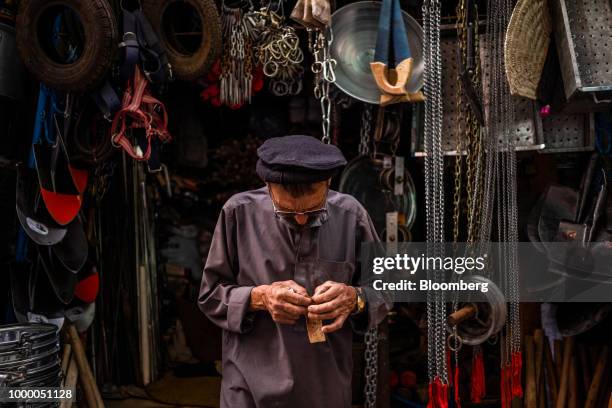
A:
266, 364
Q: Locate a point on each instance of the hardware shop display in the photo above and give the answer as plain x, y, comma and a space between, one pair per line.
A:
192, 189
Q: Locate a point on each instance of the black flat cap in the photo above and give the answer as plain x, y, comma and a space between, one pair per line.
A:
297, 159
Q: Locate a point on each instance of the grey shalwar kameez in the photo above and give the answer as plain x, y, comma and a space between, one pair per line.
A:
266, 364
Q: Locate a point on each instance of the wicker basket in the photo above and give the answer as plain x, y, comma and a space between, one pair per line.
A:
527, 41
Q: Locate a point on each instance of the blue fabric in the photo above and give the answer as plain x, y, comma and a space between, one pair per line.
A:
391, 33
381, 53
401, 48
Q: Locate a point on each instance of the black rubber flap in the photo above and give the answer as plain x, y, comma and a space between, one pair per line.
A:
59, 191
72, 251
62, 280
31, 211
44, 301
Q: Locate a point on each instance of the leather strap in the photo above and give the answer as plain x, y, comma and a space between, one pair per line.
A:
140, 111
129, 45
141, 45
107, 100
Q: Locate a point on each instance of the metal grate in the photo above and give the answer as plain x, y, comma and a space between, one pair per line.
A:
527, 124
568, 133
583, 34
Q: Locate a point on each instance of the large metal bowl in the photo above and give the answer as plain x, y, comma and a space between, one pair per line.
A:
355, 28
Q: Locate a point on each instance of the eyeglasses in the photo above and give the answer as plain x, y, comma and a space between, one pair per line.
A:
291, 214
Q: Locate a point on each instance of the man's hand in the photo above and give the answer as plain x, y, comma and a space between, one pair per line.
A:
332, 301
285, 301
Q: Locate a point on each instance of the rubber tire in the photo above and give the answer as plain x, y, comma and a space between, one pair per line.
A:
100, 29
189, 67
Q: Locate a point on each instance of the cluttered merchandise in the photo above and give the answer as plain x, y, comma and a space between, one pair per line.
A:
306, 203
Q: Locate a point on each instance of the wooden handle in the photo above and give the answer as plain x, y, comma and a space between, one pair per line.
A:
591, 399
585, 367
568, 350
70, 381
399, 75
66, 352
461, 315
551, 372
559, 358
573, 384
386, 99
538, 338
90, 388
530, 392
380, 72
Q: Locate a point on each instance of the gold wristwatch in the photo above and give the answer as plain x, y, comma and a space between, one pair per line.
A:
361, 304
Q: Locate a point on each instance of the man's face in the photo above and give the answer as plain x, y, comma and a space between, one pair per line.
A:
299, 206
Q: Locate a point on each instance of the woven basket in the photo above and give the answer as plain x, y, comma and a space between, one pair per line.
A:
527, 41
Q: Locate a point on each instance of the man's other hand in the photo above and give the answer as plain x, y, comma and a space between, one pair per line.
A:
332, 301
286, 301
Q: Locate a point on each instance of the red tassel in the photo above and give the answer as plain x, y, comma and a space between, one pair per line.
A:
457, 398
478, 390
442, 398
506, 384
516, 381
438, 394
449, 367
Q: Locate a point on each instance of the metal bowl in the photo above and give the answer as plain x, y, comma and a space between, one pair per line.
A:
355, 27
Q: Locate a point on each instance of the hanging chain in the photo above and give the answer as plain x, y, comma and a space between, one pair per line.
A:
371, 367
237, 59
469, 133
501, 167
323, 68
434, 186
366, 130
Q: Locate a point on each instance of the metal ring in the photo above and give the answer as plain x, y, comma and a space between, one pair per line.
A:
458, 340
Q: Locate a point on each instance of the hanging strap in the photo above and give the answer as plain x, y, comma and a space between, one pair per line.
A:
140, 44
153, 56
140, 111
129, 45
392, 33
107, 100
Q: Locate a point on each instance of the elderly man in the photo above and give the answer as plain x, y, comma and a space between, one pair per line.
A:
282, 265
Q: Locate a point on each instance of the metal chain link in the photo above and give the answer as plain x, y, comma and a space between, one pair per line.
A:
236, 61
324, 69
434, 186
371, 367
366, 130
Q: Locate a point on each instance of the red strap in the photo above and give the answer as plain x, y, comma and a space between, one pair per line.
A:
140, 110
516, 381
478, 388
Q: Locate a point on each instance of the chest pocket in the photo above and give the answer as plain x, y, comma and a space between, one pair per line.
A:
314, 273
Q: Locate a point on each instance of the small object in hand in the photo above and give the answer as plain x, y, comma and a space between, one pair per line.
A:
315, 334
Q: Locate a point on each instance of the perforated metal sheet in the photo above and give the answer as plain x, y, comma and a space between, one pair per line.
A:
583, 33
527, 124
568, 133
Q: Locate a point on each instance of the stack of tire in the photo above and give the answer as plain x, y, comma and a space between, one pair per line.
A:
29, 357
